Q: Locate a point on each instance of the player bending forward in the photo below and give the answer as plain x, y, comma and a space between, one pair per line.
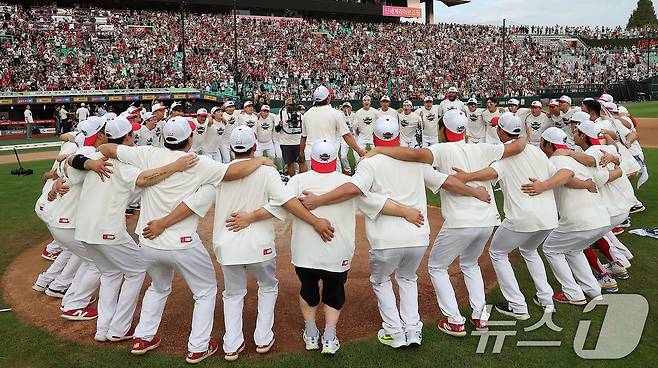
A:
397, 246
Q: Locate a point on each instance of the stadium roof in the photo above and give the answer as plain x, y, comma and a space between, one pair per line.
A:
455, 2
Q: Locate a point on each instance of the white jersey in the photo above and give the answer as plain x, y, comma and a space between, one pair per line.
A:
524, 213
491, 135
322, 122
308, 249
579, 209
158, 140
161, 199
406, 185
42, 205
364, 121
390, 112
248, 120
476, 127
82, 113
535, 126
199, 135
291, 131
430, 119
147, 137
263, 188
231, 122
28, 116
101, 212
462, 211
408, 125
213, 137
447, 105
566, 123
265, 128
617, 195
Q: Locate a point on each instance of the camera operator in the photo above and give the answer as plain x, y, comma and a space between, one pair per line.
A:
290, 134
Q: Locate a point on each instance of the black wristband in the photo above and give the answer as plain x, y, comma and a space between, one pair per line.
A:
78, 162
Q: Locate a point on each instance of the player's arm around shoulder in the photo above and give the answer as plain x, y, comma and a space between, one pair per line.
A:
422, 155
241, 169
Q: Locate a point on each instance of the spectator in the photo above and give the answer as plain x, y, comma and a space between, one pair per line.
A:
64, 120
29, 121
58, 120
82, 113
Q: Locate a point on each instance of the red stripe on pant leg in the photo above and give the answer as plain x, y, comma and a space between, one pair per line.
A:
592, 259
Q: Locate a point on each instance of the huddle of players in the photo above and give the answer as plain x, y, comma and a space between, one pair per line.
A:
84, 210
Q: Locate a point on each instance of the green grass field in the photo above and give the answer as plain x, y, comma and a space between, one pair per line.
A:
11, 142
24, 345
643, 109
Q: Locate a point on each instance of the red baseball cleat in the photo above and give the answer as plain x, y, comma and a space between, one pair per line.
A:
141, 346
82, 314
197, 357
561, 298
452, 329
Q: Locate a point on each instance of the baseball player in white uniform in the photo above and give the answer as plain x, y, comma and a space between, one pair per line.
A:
265, 132
177, 248
199, 133
385, 107
148, 134
450, 102
409, 124
250, 249
247, 116
214, 134
476, 130
430, 115
364, 118
490, 117
468, 222
348, 116
396, 246
583, 219
231, 119
535, 123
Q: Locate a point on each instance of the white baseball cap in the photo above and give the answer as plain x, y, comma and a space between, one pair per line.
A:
320, 94
510, 123
175, 105
455, 122
242, 139
82, 104
407, 102
580, 117
611, 106
157, 107
202, 111
247, 103
265, 108
323, 156
119, 127
90, 129
591, 130
453, 89
536, 104
513, 101
109, 116
366, 98
147, 115
472, 100
588, 99
428, 98
623, 110
347, 104
556, 136
553, 103
606, 98
386, 131
215, 109
230, 103
177, 130
385, 98
565, 99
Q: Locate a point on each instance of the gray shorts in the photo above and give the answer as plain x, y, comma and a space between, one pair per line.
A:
291, 154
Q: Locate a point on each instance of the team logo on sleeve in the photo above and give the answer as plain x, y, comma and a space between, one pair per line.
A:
345, 263
108, 236
185, 239
267, 251
535, 125
367, 121
63, 220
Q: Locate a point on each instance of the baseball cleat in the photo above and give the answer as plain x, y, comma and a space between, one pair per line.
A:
452, 329
127, 336
547, 308
330, 346
639, 207
100, 337
141, 346
50, 256
618, 230
55, 293
389, 340
264, 349
480, 324
504, 308
560, 297
311, 341
193, 358
607, 283
82, 314
39, 288
414, 338
618, 271
626, 223
233, 356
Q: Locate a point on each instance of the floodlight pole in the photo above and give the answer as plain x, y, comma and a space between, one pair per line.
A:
504, 54
182, 27
236, 74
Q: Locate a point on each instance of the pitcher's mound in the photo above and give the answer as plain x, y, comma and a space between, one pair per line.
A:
360, 316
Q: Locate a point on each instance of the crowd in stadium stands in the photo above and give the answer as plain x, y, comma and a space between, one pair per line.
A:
48, 48
587, 32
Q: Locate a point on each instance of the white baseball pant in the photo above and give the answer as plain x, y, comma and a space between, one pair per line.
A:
504, 242
225, 151
195, 266
277, 151
265, 148
215, 156
86, 279
56, 268
429, 141
404, 263
467, 244
64, 279
564, 253
363, 144
235, 289
53, 247
618, 250
344, 161
122, 275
